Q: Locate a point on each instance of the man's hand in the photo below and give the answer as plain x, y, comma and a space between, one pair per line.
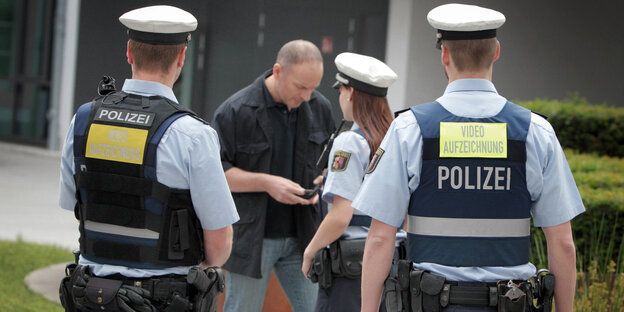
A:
285, 191
319, 179
281, 189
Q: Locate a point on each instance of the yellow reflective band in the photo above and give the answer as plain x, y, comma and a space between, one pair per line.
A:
116, 143
473, 139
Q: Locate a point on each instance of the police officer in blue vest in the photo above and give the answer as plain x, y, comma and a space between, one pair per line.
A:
469, 169
144, 177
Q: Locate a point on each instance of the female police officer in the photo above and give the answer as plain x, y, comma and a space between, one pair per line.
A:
363, 82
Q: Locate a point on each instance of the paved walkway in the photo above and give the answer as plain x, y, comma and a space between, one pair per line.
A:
29, 208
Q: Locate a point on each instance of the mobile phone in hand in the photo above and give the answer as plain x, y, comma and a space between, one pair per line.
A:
309, 193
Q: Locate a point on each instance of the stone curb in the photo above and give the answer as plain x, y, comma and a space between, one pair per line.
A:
46, 281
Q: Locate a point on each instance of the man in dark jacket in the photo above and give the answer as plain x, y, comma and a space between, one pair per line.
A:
272, 133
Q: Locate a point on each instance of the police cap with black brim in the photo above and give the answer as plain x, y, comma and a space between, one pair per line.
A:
464, 22
159, 24
363, 73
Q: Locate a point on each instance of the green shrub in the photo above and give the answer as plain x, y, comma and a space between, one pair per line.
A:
582, 126
598, 233
599, 291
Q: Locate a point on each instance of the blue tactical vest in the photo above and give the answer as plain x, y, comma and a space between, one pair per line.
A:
126, 216
472, 206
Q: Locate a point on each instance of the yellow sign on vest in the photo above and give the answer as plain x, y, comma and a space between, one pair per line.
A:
473, 140
116, 143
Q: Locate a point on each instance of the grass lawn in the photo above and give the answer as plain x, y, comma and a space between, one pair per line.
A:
17, 259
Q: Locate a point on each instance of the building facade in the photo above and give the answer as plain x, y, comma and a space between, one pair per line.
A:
53, 53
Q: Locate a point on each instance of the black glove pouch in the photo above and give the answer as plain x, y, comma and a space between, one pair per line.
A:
101, 294
351, 254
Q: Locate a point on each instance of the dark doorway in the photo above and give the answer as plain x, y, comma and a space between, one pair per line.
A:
243, 38
25, 54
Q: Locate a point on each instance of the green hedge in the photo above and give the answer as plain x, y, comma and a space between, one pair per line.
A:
598, 233
582, 126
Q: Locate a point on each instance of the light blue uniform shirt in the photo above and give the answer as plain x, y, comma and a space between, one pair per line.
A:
346, 183
187, 158
385, 193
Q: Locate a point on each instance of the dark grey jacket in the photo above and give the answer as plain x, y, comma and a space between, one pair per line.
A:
246, 142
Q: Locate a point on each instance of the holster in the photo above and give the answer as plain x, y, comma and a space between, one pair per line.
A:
208, 283
544, 291
67, 301
351, 253
320, 271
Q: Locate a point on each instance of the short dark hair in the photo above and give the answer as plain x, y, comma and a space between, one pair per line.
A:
153, 57
474, 54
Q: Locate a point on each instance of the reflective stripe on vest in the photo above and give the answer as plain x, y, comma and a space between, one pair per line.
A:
472, 206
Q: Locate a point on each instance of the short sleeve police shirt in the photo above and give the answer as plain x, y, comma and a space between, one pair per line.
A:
386, 191
348, 160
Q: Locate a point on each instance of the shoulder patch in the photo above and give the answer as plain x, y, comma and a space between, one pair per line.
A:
341, 159
373, 163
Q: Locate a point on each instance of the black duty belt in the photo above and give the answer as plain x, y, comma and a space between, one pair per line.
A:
410, 289
160, 287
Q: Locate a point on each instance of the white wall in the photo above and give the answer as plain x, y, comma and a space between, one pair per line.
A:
63, 70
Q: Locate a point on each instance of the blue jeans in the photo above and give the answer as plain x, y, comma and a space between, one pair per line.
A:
284, 255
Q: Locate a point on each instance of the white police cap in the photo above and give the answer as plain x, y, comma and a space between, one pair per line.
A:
363, 73
461, 22
159, 24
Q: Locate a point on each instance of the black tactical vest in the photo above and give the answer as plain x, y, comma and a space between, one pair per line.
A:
126, 216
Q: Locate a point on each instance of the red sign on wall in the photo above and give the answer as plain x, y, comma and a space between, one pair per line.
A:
327, 45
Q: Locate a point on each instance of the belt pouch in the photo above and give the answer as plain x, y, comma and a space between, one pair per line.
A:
178, 235
321, 270
334, 256
506, 304
351, 254
392, 295
403, 278
415, 291
101, 294
431, 286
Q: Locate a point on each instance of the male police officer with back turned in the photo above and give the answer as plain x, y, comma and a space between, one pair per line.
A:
469, 170
145, 179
